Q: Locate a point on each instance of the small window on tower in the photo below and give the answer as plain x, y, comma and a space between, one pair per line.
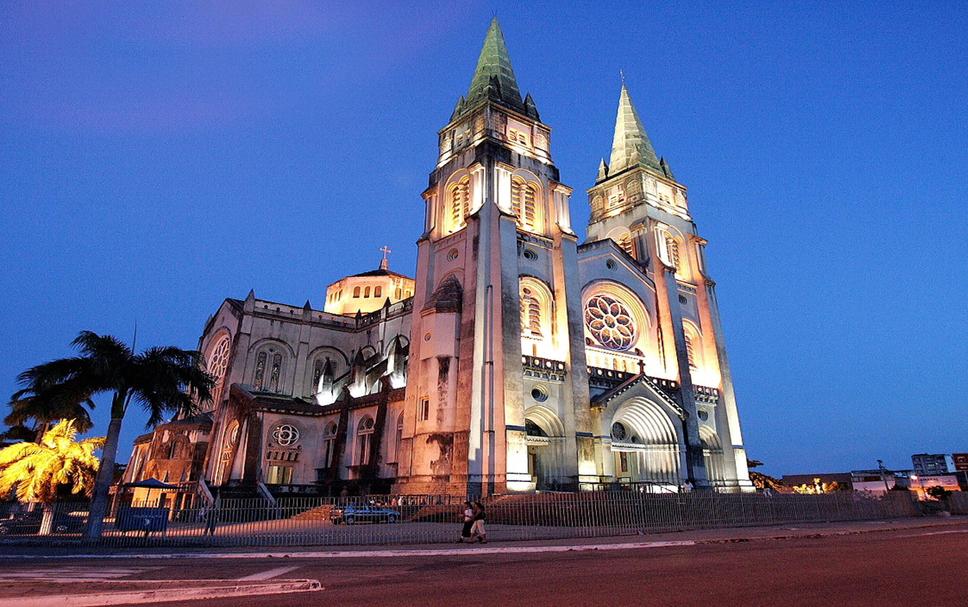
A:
356, 292
423, 411
366, 292
377, 291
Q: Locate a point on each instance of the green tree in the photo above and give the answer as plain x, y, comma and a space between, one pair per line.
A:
36, 470
32, 410
162, 380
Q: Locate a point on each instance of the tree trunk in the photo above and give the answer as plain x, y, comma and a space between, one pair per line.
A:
102, 485
47, 520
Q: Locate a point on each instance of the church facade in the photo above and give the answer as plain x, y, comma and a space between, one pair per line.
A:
516, 359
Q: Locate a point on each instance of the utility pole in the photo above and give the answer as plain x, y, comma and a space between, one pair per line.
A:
880, 467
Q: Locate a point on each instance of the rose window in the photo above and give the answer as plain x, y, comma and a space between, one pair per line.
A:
285, 435
610, 322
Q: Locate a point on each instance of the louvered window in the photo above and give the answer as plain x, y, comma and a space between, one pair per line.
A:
530, 313
523, 204
460, 198
672, 251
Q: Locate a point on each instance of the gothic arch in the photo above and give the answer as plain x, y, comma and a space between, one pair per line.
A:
218, 359
712, 452
271, 366
536, 315
404, 343
546, 419
527, 201
316, 362
457, 201
694, 344
652, 443
622, 236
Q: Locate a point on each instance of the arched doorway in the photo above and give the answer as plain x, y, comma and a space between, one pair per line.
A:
545, 441
712, 454
645, 443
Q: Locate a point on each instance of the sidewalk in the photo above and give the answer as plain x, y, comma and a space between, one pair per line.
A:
743, 534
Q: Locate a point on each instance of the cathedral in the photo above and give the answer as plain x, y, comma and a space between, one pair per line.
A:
517, 358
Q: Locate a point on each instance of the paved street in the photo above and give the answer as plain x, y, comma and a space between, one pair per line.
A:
855, 564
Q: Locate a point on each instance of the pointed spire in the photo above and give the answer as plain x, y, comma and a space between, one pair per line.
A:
602, 171
630, 145
458, 108
530, 108
494, 76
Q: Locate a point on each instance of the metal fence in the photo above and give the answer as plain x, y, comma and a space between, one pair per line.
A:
396, 520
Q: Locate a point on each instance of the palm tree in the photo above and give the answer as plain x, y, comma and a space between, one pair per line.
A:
28, 406
37, 470
163, 380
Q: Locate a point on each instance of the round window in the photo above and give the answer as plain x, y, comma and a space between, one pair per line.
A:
452, 255
530, 255
619, 432
285, 434
539, 393
610, 322
703, 415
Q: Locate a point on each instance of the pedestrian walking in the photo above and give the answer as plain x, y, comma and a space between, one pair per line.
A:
468, 516
477, 528
211, 518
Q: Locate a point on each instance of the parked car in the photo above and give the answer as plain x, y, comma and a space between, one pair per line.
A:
363, 514
27, 523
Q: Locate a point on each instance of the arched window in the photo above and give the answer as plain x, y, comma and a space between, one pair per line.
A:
356, 292
329, 444
625, 241
366, 292
218, 363
377, 291
523, 203
458, 204
268, 370
693, 345
530, 313
364, 439
672, 251
690, 351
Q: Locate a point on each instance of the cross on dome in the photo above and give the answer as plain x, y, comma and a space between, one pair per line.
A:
385, 262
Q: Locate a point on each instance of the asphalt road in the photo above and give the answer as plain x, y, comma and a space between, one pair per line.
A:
903, 567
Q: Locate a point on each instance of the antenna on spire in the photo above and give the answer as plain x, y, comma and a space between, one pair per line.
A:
621, 74
385, 262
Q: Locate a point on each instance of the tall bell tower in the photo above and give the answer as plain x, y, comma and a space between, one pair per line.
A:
492, 298
637, 202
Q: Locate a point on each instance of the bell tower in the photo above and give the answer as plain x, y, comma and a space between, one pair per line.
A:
637, 202
491, 296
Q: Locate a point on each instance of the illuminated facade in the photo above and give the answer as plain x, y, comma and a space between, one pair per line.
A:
523, 360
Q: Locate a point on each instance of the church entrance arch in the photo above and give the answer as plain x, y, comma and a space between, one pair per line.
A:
545, 440
712, 453
646, 444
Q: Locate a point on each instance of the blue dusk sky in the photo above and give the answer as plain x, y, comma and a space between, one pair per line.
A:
156, 158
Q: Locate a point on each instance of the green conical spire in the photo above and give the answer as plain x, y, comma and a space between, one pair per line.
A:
630, 145
494, 76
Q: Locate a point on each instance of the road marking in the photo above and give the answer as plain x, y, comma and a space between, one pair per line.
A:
936, 533
475, 551
74, 574
268, 574
141, 597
